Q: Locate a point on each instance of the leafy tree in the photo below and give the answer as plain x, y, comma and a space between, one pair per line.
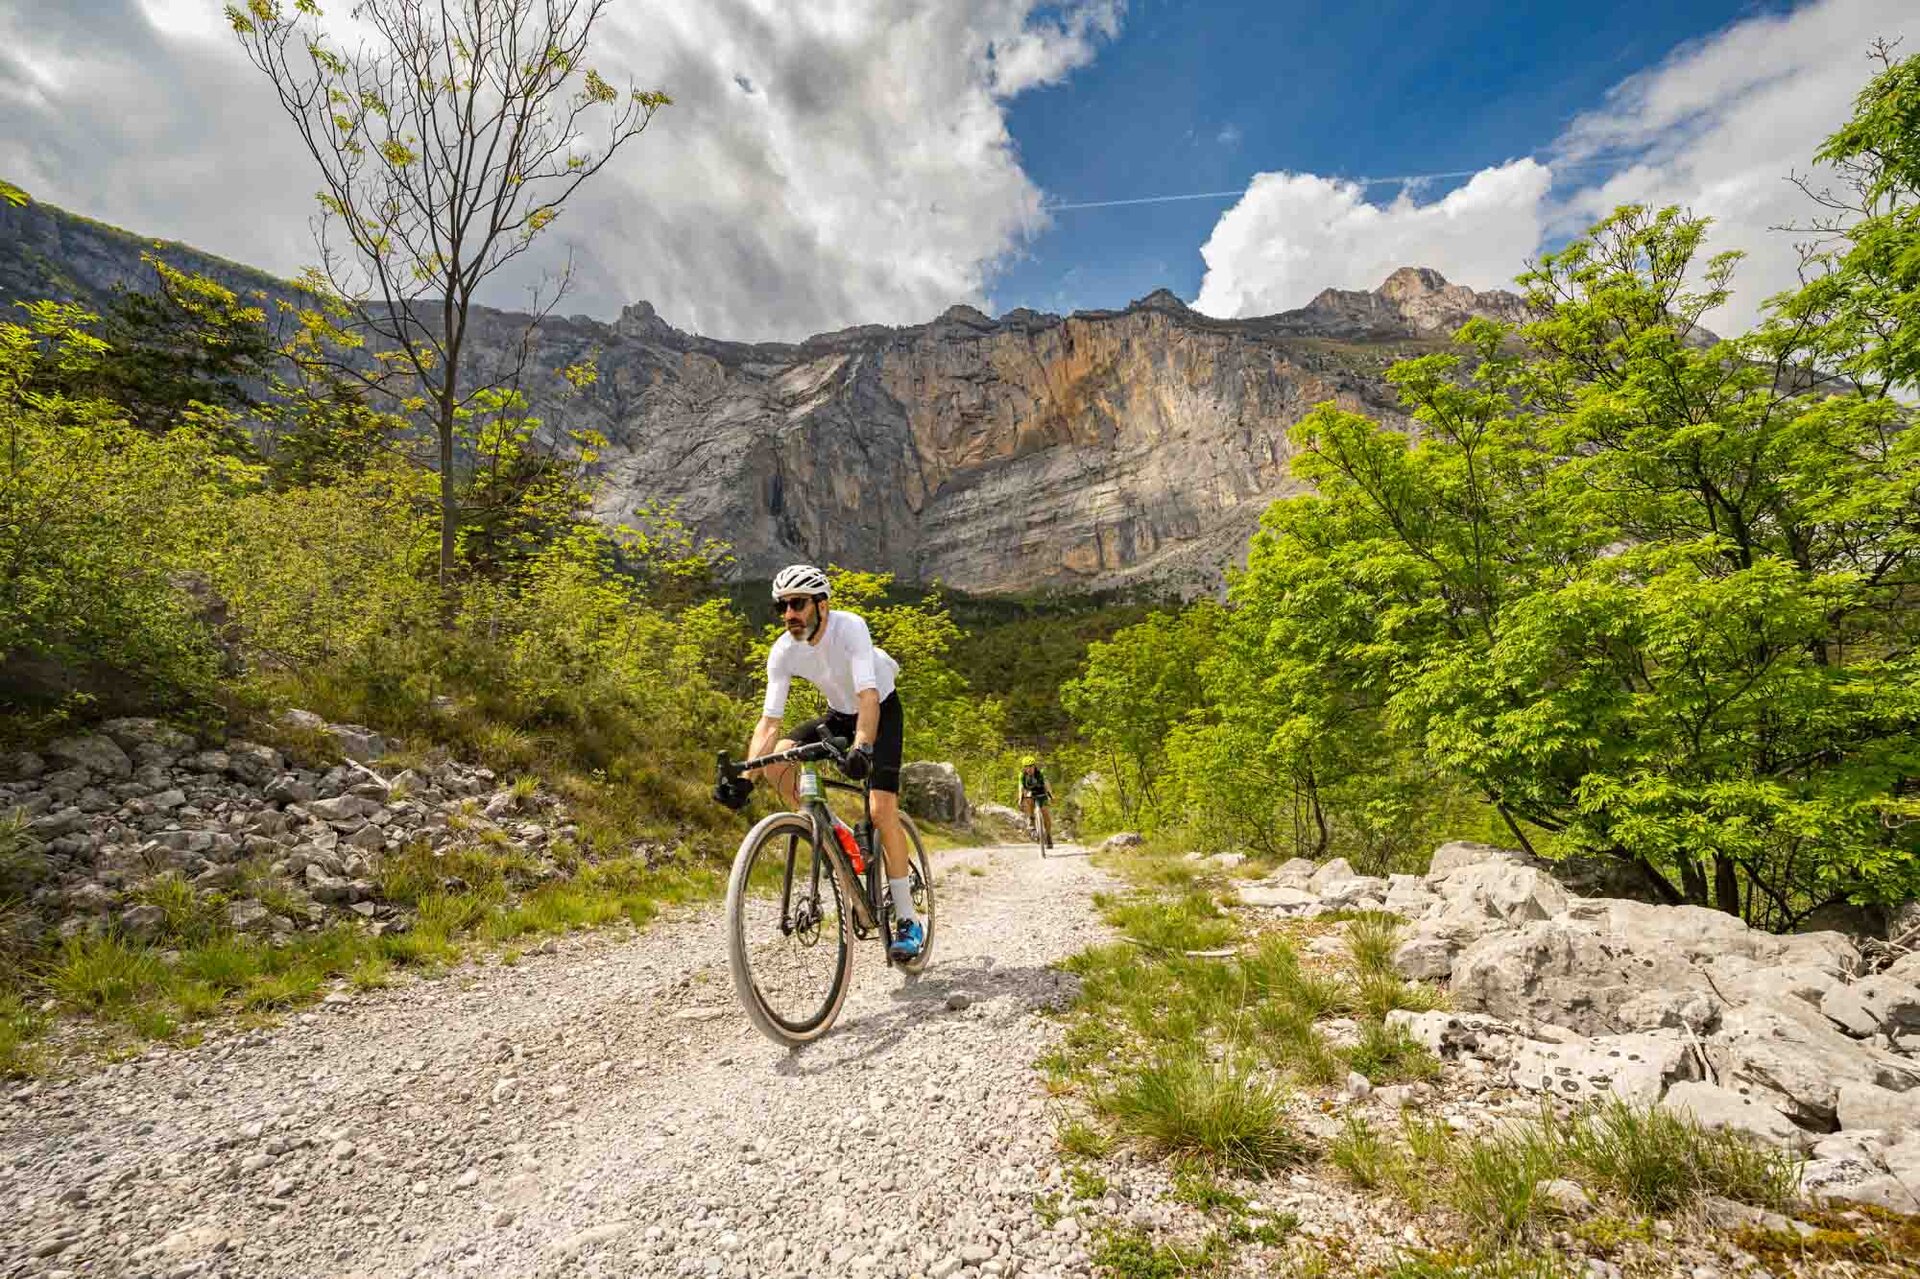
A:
1136, 688
1641, 590
190, 343
445, 147
98, 521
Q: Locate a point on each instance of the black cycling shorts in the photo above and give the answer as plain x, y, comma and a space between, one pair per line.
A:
888, 741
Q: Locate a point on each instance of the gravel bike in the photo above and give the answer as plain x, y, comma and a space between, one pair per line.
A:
804, 886
1037, 827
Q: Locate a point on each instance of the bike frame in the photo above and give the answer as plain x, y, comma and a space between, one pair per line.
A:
872, 906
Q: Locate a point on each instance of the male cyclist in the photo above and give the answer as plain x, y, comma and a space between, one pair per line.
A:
833, 650
1035, 793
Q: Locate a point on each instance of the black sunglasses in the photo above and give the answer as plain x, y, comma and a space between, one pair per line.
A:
798, 604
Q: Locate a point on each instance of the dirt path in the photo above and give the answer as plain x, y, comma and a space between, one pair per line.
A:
603, 1109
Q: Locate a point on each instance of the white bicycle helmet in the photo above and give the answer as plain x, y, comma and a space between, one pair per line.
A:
801, 579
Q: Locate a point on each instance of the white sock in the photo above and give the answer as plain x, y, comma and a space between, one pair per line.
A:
902, 898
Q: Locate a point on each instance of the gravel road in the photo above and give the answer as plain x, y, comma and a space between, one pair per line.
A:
599, 1109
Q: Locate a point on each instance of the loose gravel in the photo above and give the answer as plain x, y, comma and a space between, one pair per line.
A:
602, 1108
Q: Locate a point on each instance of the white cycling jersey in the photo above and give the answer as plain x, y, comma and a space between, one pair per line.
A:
845, 661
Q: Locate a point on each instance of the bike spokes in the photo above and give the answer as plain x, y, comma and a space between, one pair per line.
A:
787, 935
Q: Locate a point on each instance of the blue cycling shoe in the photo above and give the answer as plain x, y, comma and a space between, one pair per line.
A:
909, 939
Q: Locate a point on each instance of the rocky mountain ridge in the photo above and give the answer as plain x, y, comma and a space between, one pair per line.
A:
1033, 451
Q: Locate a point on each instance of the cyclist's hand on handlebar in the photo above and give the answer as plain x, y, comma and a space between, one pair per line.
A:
859, 762
733, 792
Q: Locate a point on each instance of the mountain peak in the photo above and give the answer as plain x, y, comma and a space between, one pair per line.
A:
1413, 279
640, 320
1159, 300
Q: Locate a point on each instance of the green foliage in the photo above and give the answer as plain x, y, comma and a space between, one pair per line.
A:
97, 520
170, 354
1639, 592
1136, 688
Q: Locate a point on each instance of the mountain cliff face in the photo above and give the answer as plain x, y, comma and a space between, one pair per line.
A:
1098, 450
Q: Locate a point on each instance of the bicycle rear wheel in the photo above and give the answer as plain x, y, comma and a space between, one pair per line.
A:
920, 870
790, 948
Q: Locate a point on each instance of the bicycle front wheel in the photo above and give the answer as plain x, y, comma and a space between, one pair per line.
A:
789, 940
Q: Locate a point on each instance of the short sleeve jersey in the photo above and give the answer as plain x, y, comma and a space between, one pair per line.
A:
844, 662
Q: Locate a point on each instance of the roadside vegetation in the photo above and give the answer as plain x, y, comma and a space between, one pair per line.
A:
1221, 1050
1632, 590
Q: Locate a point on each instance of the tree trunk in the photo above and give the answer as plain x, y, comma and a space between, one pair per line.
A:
1726, 884
1693, 882
449, 514
1319, 818
1514, 826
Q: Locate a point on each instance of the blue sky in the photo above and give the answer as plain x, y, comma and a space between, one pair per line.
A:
1200, 96
845, 162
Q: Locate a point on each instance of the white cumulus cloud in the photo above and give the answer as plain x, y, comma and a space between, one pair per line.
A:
1721, 123
823, 164
1294, 234
1716, 127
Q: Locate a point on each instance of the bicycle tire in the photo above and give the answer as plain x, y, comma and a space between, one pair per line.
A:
787, 1031
921, 871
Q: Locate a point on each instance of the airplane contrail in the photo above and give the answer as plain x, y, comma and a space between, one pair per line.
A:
1068, 205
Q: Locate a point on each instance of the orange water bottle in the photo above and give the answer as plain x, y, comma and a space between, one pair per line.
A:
852, 846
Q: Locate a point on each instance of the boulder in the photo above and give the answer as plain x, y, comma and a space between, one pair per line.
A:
24, 766
1122, 839
1906, 968
935, 792
144, 921
1833, 953
1873, 1005
1333, 872
1452, 856
347, 810
1693, 1010
132, 734
303, 721
1887, 1190
96, 752
1744, 981
1356, 891
252, 763
1634, 1068
1296, 872
1554, 972
1834, 1177
1689, 932
1266, 893
1868, 1106
1408, 896
1791, 1050
358, 742
1501, 891
998, 819
1452, 1035
1903, 924
248, 916
1717, 1108
1428, 951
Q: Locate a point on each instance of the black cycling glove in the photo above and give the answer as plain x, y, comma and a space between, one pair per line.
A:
859, 762
733, 792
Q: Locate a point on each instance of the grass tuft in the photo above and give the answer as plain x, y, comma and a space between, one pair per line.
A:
1186, 1104
104, 973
